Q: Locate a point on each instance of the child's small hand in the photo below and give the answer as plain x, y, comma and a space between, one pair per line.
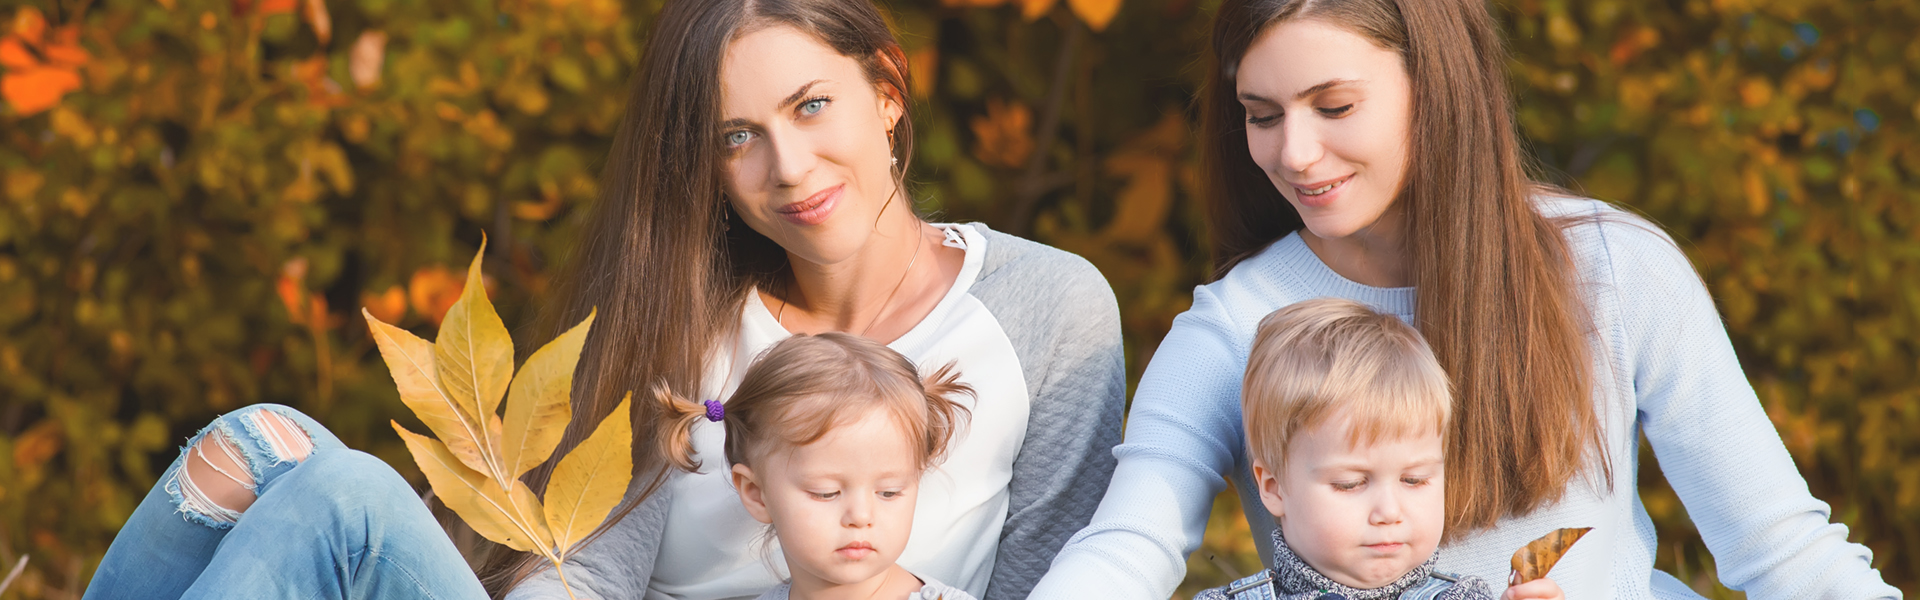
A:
1538, 589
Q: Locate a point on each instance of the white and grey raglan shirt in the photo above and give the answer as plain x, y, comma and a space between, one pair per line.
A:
1034, 330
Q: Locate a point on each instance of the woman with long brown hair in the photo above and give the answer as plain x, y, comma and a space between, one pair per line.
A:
755, 190
1366, 149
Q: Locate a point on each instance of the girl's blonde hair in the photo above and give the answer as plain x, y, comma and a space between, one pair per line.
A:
802, 387
1325, 358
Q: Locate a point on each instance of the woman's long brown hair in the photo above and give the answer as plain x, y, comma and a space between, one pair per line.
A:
660, 255
1497, 295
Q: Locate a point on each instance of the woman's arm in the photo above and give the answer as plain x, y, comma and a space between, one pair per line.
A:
1066, 325
1183, 435
617, 566
1719, 451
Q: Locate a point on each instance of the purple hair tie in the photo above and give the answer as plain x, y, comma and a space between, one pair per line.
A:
716, 411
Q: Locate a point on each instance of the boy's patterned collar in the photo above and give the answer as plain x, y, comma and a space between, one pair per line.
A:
1291, 575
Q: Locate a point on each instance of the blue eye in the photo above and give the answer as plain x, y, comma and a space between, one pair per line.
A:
813, 106
739, 138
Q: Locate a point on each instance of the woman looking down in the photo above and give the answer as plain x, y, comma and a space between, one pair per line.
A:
1366, 149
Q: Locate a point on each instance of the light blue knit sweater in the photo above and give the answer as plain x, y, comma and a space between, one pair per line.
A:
1663, 365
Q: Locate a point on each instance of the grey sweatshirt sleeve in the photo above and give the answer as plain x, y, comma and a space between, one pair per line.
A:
1063, 321
617, 566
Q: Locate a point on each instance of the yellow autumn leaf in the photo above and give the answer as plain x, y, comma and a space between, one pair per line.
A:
474, 357
537, 409
1144, 202
1535, 559
1032, 10
321, 20
506, 518
590, 481
410, 359
1148, 162
1096, 13
1003, 134
364, 59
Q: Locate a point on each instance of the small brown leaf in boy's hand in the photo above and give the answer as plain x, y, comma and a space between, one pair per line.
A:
1533, 561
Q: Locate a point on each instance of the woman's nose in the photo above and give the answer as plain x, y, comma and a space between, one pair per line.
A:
1300, 145
793, 156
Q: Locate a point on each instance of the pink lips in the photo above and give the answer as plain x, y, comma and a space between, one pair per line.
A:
856, 550
815, 209
1324, 199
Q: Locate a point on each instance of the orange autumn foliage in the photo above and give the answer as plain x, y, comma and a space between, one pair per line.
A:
433, 290
1004, 134
40, 68
147, 215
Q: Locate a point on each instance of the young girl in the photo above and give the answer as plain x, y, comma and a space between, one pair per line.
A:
827, 437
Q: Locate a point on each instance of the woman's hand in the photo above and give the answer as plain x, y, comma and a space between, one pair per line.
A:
1538, 589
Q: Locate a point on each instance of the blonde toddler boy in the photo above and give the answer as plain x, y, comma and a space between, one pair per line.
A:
1345, 411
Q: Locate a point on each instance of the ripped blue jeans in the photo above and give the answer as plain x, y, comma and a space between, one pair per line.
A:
326, 522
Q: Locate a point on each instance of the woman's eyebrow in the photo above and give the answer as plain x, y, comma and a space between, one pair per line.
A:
1324, 86
1321, 87
800, 93
784, 102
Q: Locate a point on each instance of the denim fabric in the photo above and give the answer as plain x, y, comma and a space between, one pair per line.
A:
341, 524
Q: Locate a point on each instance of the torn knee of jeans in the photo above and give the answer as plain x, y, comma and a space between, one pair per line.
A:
280, 435
219, 478
213, 485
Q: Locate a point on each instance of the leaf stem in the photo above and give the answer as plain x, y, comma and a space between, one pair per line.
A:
563, 579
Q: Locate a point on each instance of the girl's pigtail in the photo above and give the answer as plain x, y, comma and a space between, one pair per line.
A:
945, 415
676, 441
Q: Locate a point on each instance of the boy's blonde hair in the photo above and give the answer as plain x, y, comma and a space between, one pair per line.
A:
1325, 358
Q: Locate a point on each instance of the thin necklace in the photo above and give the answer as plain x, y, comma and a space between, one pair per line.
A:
920, 239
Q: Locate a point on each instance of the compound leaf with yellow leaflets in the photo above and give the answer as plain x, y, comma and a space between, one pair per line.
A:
474, 356
590, 481
506, 518
537, 409
410, 359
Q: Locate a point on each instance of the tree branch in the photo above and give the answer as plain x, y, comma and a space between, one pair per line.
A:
1036, 182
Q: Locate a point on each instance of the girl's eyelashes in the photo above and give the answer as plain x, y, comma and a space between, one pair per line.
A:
1263, 121
825, 495
891, 494
1348, 486
1415, 481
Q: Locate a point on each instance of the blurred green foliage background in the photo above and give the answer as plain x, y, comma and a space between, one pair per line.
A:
197, 196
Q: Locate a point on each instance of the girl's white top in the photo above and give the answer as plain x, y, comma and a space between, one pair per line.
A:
929, 590
1663, 365
716, 549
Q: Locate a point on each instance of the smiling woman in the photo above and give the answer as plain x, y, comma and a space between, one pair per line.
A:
757, 192
1366, 150
753, 191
